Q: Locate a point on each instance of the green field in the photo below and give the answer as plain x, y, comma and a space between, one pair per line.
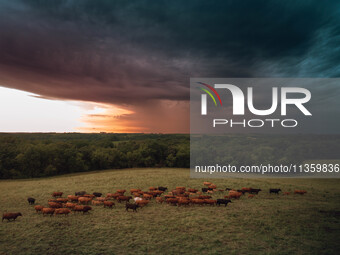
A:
267, 224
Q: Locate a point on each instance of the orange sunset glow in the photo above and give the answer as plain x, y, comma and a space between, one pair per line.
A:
28, 112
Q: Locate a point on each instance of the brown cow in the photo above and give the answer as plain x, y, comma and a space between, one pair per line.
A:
102, 199
84, 200
94, 202
11, 216
82, 208
69, 205
48, 211
123, 198
62, 200
38, 208
147, 196
55, 205
286, 193
57, 194
160, 199
172, 201
121, 191
183, 201
134, 191
135, 194
210, 201
251, 196
72, 198
207, 183
108, 204
78, 208
113, 195
176, 192
142, 203
64, 211
152, 193
158, 192
196, 201
234, 194
89, 195
300, 192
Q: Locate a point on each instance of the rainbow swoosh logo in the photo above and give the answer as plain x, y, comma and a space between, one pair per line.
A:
209, 93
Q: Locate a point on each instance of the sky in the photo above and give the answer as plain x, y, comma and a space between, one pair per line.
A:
125, 66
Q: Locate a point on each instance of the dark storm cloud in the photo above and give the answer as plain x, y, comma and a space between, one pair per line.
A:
131, 52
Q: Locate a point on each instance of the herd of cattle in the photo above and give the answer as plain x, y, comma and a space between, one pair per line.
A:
180, 196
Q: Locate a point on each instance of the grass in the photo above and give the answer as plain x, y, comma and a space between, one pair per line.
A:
267, 224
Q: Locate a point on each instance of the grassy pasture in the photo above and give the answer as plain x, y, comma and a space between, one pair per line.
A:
267, 224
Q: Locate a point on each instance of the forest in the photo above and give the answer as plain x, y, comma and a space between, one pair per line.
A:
27, 155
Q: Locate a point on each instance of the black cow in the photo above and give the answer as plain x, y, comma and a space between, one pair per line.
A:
31, 200
162, 188
97, 194
80, 193
223, 202
276, 191
86, 209
228, 189
131, 206
205, 190
254, 191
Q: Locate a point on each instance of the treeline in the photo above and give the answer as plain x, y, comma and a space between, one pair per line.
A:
38, 155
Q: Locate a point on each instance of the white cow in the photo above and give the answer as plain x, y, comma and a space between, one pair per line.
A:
138, 199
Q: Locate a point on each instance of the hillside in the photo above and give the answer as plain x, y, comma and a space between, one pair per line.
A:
268, 223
